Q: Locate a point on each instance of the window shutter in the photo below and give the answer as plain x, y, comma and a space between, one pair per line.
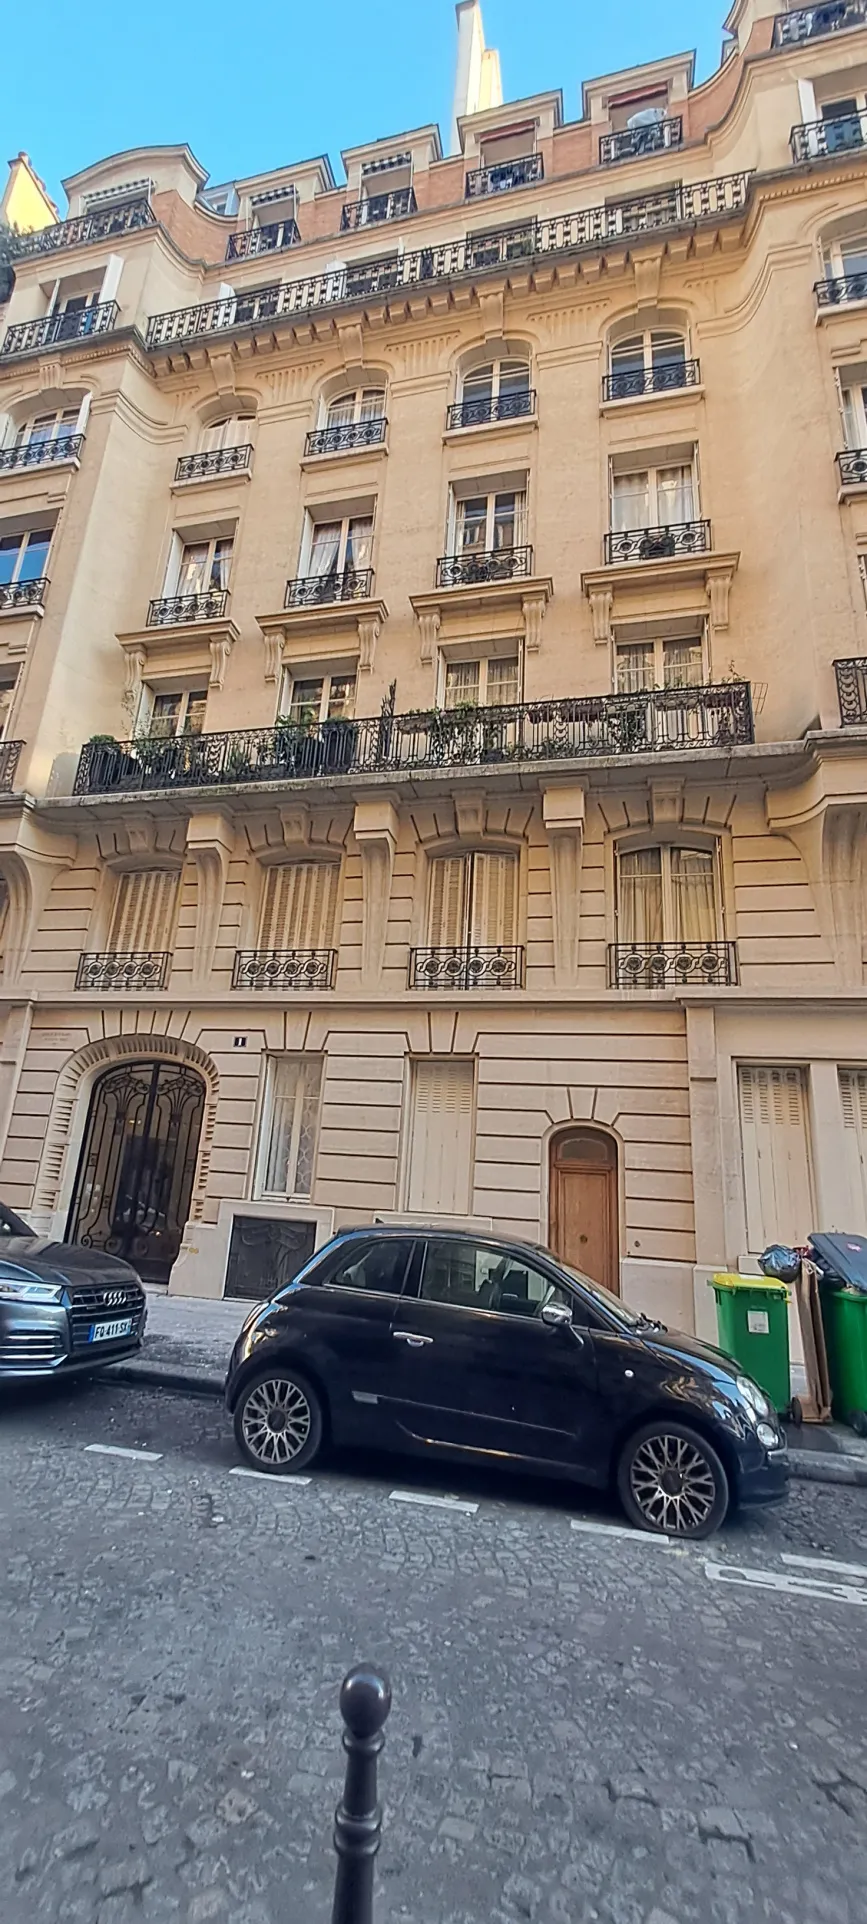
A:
291, 1122
298, 906
495, 900
774, 1140
448, 897
440, 1147
144, 911
853, 1101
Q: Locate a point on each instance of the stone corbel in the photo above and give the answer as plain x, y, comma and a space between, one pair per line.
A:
376, 829
136, 662
563, 815
30, 862
273, 642
221, 648
209, 844
718, 589
223, 370
470, 815
368, 636
492, 313
350, 334
601, 610
648, 273
428, 627
533, 611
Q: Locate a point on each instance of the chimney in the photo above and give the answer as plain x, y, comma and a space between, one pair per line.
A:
477, 79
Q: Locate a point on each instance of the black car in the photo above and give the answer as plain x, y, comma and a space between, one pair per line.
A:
63, 1307
445, 1343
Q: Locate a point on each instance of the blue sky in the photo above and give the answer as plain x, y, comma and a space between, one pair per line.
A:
313, 75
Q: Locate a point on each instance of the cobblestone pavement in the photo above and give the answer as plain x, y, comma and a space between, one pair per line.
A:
589, 1728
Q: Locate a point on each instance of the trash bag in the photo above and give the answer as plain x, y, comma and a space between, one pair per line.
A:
780, 1264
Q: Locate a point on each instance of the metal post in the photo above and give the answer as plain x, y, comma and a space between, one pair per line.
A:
365, 1701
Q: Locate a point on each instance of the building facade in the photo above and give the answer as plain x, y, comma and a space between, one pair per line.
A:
433, 663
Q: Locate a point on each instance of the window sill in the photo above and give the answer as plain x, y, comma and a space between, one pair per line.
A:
343, 456
490, 427
851, 491
40, 470
211, 480
836, 310
676, 394
24, 612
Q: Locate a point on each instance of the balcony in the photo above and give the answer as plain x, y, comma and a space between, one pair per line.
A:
18, 595
28, 336
852, 463
270, 239
658, 544
101, 224
841, 289
169, 611
812, 23
141, 969
10, 755
41, 454
466, 968
632, 142
317, 591
820, 139
477, 566
489, 409
213, 462
284, 969
500, 180
377, 207
632, 384
346, 437
852, 691
677, 965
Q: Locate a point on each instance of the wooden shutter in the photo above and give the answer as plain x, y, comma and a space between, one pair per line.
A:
298, 906
774, 1141
495, 900
853, 1101
440, 1147
144, 911
447, 926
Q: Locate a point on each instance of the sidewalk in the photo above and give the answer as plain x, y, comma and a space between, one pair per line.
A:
189, 1340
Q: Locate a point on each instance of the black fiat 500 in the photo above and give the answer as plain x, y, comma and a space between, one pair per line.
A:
63, 1307
462, 1346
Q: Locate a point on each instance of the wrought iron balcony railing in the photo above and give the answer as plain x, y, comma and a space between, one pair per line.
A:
482, 412
41, 454
376, 208
658, 544
500, 180
852, 691
810, 23
628, 383
467, 968
663, 965
23, 594
840, 289
852, 463
102, 223
317, 591
345, 436
588, 726
284, 969
171, 610
10, 755
551, 237
270, 239
26, 336
481, 565
634, 141
140, 969
214, 461
815, 139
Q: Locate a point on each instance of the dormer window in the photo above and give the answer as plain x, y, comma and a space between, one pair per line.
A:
507, 159
386, 193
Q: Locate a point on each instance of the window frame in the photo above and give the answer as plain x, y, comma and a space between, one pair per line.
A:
481, 662
222, 423
65, 425
495, 366
357, 396
266, 1124
183, 545
659, 643
469, 858
152, 694
457, 514
668, 917
326, 682
24, 539
344, 523
499, 1255
652, 470
646, 337
409, 1284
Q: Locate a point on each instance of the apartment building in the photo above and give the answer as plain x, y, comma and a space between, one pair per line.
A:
433, 666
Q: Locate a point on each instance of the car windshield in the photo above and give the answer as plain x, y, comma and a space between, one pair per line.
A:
604, 1296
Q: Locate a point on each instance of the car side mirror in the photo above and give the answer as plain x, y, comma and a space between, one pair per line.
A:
557, 1315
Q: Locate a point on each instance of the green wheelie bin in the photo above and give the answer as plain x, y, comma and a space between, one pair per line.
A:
844, 1315
753, 1322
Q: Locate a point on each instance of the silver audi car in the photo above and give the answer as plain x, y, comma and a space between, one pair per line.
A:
63, 1307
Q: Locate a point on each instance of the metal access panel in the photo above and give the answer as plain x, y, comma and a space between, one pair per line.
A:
265, 1253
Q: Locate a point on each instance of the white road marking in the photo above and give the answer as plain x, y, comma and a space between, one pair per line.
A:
785, 1583
433, 1502
827, 1563
265, 1476
620, 1530
114, 1449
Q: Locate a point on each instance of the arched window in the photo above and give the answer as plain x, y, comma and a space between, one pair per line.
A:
352, 418
50, 433
356, 405
652, 361
228, 431
496, 390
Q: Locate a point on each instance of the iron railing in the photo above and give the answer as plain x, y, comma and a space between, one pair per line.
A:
631, 142
214, 461
658, 544
476, 413
41, 454
315, 591
284, 969
852, 463
10, 755
101, 224
852, 691
500, 180
628, 383
468, 967
140, 969
169, 610
810, 23
662, 965
270, 239
840, 289
346, 435
377, 207
687, 205
23, 594
481, 565
26, 336
816, 139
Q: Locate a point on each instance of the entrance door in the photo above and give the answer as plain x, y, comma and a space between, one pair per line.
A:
584, 1211
137, 1164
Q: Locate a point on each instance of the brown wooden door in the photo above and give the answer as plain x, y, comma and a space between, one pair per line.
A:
583, 1228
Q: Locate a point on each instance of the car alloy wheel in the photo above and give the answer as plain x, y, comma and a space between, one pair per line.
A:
278, 1422
672, 1482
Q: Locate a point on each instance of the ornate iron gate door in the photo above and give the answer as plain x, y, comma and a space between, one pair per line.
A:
137, 1164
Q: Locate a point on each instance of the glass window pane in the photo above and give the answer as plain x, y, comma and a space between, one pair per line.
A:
462, 683
634, 668
341, 411
630, 502
220, 564
372, 404
472, 524
504, 681
35, 557
341, 696
291, 1130
506, 516
10, 548
306, 703
682, 664
468, 1276
640, 896
478, 385
325, 548
193, 569
853, 255
514, 377
382, 1268
627, 357
194, 720
165, 715
674, 496
667, 350
692, 879
359, 542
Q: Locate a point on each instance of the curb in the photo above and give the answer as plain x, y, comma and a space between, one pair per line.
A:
807, 1468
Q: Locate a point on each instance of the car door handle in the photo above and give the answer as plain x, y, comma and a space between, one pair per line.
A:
409, 1336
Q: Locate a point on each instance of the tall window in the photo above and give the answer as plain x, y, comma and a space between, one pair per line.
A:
843, 123
322, 698
232, 431
144, 912
652, 497
655, 357
847, 257
204, 566
855, 416
7, 697
299, 903
55, 427
658, 664
486, 523
23, 556
359, 404
341, 546
666, 895
438, 1168
181, 712
290, 1121
473, 901
491, 682
503, 383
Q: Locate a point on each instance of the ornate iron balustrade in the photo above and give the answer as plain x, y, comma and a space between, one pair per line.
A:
471, 413
658, 544
41, 454
852, 691
140, 969
852, 463
346, 435
23, 594
816, 139
284, 969
690, 204
214, 461
840, 289
27, 336
500, 180
810, 23
314, 591
269, 239
662, 965
10, 755
479, 565
101, 224
467, 968
634, 141
170, 610
377, 207
628, 384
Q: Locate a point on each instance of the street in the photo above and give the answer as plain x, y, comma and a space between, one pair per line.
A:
587, 1724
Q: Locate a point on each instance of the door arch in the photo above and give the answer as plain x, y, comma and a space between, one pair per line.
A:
137, 1165
584, 1211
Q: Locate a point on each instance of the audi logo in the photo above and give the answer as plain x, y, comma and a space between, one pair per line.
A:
113, 1298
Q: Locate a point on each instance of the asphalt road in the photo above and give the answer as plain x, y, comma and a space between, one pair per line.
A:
589, 1727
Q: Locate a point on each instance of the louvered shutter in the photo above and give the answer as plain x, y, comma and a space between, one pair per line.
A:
448, 901
853, 1101
494, 900
298, 906
440, 1149
144, 911
776, 1158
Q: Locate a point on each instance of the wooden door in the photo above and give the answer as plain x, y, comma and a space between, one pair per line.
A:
584, 1210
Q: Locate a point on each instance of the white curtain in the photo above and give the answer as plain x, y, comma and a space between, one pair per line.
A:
630, 502
359, 545
326, 547
692, 884
674, 495
640, 896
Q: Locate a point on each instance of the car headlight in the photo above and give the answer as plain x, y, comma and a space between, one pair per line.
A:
758, 1404
768, 1436
15, 1292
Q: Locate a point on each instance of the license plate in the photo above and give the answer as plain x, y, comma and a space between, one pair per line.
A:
109, 1332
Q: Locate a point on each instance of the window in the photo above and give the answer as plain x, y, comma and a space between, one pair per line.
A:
487, 523
203, 566
466, 1275
439, 1158
492, 682
497, 380
289, 1125
381, 1267
44, 428
230, 432
853, 1102
325, 698
652, 497
855, 416
144, 912
646, 109
643, 362
299, 903
666, 895
339, 547
776, 1156
639, 665
472, 901
360, 404
178, 713
843, 123
23, 557
7, 697
513, 144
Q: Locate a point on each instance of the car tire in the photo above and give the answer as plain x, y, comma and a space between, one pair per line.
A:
279, 1422
671, 1482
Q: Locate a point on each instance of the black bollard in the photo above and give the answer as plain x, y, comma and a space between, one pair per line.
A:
365, 1701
